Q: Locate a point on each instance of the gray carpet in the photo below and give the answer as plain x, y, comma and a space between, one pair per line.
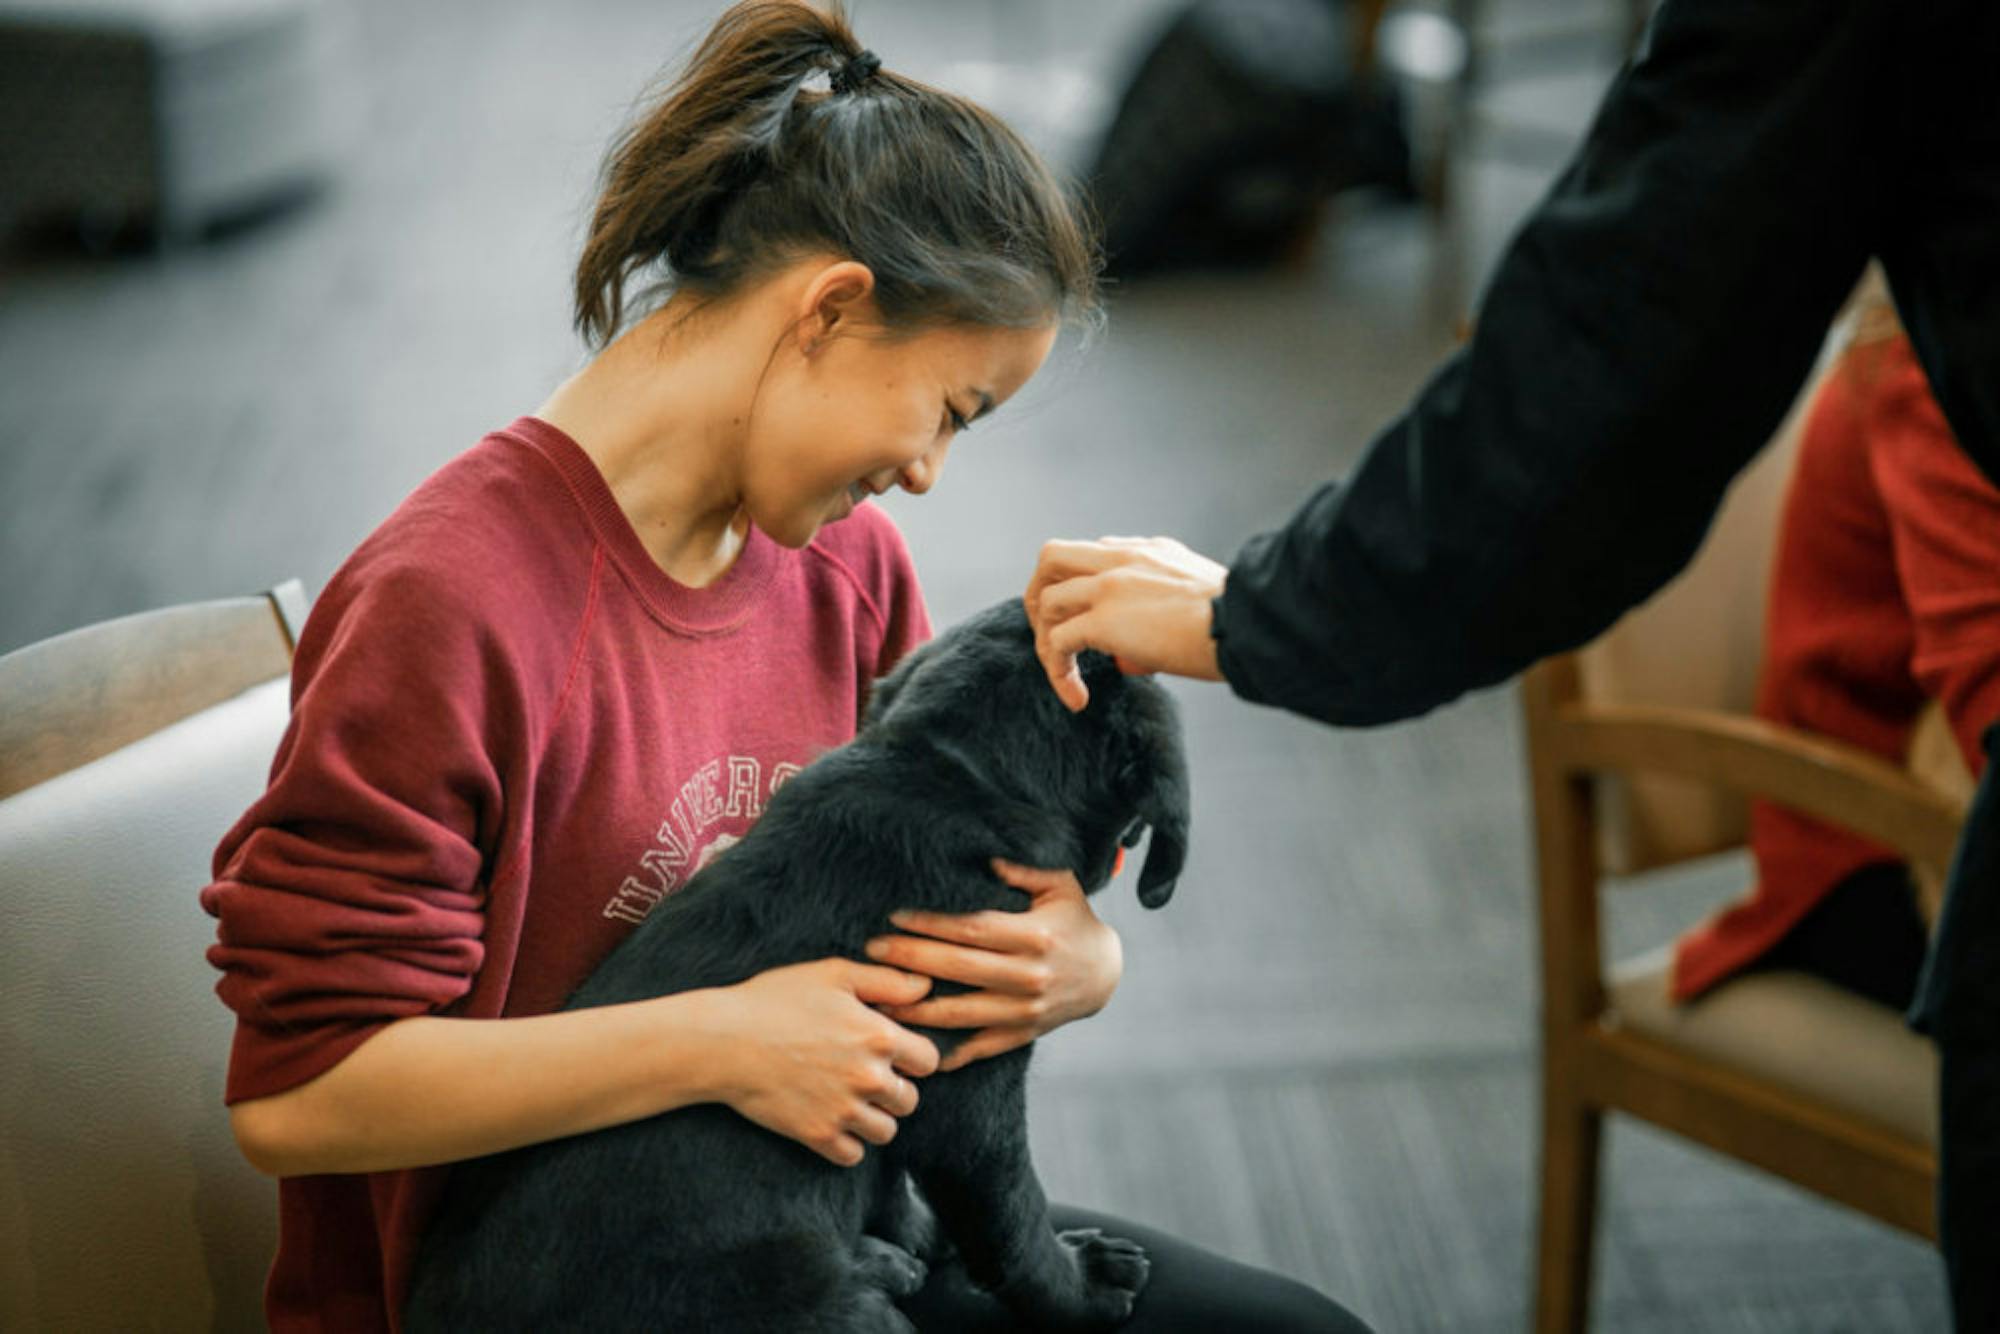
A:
1322, 1057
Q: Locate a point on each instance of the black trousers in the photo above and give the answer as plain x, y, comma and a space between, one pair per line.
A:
1866, 935
1190, 1290
1958, 1004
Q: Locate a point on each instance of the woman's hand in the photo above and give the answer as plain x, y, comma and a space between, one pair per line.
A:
803, 1053
1144, 600
1032, 971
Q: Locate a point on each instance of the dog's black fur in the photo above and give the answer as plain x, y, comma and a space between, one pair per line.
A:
698, 1220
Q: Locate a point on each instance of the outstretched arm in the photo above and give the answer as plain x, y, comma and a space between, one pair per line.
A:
1640, 340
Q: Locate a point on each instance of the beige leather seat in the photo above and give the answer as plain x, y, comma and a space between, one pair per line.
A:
124, 1204
1800, 1032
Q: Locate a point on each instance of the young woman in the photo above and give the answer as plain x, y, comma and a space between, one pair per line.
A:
575, 663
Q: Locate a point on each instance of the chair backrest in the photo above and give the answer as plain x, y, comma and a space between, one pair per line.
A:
84, 694
1698, 644
1695, 644
129, 748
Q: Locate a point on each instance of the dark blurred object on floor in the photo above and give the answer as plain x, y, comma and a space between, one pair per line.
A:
1239, 124
159, 119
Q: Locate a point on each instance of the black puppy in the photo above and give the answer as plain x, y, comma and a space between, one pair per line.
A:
698, 1220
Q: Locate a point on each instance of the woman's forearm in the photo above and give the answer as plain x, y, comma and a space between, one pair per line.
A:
432, 1090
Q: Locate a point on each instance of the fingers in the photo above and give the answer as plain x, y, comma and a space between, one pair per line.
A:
977, 953
1067, 681
1001, 954
1146, 601
1066, 572
1035, 880
895, 1095
872, 1124
989, 1042
975, 1009
991, 929
884, 986
1060, 560
1082, 631
1071, 622
911, 1053
1060, 565
866, 1123
880, 1099
1065, 677
1064, 600
885, 1097
842, 1150
825, 1066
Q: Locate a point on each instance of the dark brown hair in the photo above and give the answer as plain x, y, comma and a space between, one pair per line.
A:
740, 167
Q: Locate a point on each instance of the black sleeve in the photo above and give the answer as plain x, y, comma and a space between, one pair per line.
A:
1639, 342
1942, 243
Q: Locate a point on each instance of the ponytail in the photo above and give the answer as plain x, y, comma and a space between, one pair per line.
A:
745, 163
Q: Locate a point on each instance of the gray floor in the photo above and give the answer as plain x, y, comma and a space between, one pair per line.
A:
1322, 1057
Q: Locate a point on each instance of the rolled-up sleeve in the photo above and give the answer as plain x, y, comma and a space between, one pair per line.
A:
350, 895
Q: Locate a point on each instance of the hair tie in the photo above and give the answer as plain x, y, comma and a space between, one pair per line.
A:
855, 71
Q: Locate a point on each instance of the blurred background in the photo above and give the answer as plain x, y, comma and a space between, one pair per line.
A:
347, 256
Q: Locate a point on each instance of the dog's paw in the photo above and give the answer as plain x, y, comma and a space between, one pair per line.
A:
1113, 1270
889, 1267
905, 1220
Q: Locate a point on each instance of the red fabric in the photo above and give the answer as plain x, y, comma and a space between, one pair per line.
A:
1886, 594
511, 734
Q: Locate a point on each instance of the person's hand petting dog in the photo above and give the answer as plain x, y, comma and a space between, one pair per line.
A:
1032, 971
1144, 600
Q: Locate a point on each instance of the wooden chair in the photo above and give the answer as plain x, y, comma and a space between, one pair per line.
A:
1779, 1070
127, 749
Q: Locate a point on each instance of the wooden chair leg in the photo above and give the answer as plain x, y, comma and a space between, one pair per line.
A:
1571, 1132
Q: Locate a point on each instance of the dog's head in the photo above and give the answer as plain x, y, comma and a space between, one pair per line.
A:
1115, 770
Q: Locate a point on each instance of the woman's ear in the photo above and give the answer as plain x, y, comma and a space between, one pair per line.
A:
836, 299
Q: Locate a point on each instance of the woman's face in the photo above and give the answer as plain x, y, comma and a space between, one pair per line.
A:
859, 412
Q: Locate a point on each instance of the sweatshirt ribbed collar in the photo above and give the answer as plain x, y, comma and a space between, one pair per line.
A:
717, 608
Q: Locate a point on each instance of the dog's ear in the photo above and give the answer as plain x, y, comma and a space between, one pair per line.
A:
1164, 801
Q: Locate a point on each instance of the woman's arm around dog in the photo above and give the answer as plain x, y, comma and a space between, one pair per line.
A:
1031, 972
798, 1050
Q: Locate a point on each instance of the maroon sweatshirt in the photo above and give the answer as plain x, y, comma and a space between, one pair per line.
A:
511, 735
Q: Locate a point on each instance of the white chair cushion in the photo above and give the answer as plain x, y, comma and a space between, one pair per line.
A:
123, 1201
1795, 1030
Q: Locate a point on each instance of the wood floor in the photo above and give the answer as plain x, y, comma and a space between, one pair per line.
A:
1322, 1057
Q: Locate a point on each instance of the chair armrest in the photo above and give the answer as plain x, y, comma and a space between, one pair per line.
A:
1819, 776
